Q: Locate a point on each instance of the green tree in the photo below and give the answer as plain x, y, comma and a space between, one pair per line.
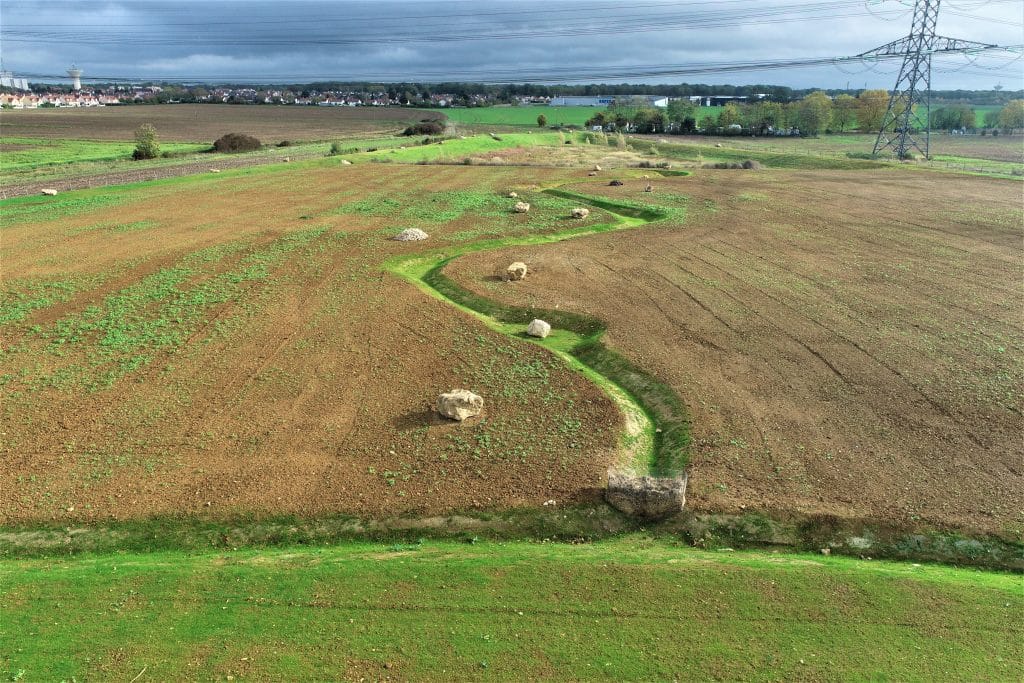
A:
679, 110
1012, 115
146, 144
871, 106
730, 115
844, 111
542, 121
813, 113
953, 117
762, 115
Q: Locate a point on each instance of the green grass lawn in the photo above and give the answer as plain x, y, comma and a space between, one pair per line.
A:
527, 115
630, 609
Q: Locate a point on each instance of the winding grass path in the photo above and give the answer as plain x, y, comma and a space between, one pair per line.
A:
657, 438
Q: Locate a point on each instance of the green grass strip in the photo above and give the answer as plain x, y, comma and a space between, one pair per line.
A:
628, 609
670, 441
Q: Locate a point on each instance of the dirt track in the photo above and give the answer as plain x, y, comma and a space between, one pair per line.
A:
848, 343
82, 182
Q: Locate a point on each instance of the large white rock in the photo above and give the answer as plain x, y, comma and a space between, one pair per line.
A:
49, 192
579, 212
646, 497
538, 328
512, 195
516, 271
346, 162
411, 235
521, 207
459, 404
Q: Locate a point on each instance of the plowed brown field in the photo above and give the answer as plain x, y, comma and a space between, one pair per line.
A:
228, 345
207, 122
848, 343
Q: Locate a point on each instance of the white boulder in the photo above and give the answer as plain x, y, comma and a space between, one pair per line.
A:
346, 162
50, 192
521, 207
579, 212
512, 195
459, 404
538, 328
411, 235
516, 271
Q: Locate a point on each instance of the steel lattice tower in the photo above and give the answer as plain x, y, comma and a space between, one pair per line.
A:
912, 95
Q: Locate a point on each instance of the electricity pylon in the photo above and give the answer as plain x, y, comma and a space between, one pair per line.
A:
909, 108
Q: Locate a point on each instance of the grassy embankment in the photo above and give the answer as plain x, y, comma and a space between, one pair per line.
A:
631, 609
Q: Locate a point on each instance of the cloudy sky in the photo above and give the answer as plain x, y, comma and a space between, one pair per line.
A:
652, 41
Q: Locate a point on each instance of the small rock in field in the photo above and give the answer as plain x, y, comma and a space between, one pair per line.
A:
597, 167
579, 212
346, 162
411, 235
538, 328
592, 174
826, 551
649, 188
521, 207
516, 271
512, 195
50, 192
214, 170
718, 144
459, 404
616, 183
287, 160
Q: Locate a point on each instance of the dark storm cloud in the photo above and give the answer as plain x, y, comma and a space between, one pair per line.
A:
302, 41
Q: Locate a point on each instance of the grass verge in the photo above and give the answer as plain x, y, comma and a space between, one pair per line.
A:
627, 609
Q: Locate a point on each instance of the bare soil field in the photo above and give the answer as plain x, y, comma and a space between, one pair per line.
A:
207, 122
849, 343
231, 344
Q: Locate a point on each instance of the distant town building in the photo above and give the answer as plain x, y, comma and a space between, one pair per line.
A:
719, 100
598, 101
606, 100
9, 80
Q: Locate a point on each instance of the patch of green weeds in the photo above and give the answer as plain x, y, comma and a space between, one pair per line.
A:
128, 328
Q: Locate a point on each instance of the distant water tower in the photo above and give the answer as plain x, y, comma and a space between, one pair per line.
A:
76, 77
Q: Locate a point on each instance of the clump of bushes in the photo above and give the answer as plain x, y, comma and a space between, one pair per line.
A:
749, 164
430, 127
285, 143
651, 164
236, 142
337, 149
146, 145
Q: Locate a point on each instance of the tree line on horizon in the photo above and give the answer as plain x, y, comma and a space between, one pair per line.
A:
812, 115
